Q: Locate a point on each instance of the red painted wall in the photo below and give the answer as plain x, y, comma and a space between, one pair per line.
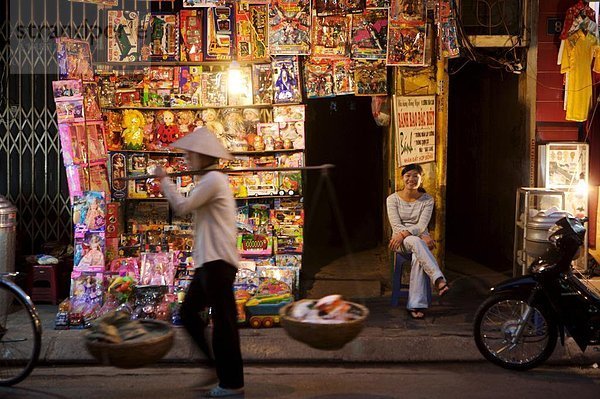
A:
550, 116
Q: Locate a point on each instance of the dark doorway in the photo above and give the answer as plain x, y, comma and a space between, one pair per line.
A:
487, 162
341, 131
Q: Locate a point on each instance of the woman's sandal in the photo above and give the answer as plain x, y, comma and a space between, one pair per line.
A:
443, 289
416, 314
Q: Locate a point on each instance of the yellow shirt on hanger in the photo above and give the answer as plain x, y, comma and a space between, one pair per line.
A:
579, 50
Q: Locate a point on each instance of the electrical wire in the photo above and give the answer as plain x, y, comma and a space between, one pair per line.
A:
473, 54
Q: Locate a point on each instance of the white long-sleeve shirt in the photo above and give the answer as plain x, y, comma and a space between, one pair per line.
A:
214, 210
411, 216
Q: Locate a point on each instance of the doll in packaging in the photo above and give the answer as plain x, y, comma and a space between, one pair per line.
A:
92, 253
89, 212
157, 268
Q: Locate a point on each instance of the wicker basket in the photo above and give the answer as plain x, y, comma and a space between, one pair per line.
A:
324, 336
137, 352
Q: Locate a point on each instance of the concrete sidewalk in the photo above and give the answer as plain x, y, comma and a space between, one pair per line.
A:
390, 335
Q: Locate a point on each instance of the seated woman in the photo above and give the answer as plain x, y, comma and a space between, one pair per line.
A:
409, 211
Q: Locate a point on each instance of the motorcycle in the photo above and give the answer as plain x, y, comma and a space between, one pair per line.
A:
517, 327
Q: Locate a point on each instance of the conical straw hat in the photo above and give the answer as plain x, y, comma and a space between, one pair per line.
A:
202, 141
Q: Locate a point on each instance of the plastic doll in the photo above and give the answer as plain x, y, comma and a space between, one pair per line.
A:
152, 185
96, 150
118, 170
157, 277
168, 131
235, 131
251, 118
285, 85
92, 110
94, 218
94, 256
259, 144
133, 135
269, 143
185, 119
149, 136
198, 122
209, 116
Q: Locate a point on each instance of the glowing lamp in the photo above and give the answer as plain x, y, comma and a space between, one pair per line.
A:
234, 80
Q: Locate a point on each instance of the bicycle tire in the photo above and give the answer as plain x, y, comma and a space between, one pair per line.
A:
20, 334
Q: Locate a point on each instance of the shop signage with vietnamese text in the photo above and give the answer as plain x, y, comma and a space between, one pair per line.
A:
414, 121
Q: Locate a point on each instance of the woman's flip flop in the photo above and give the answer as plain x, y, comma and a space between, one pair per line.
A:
443, 289
416, 314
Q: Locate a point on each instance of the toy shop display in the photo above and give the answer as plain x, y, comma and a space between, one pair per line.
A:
447, 29
262, 309
80, 125
123, 27
406, 45
262, 84
330, 36
220, 32
289, 27
252, 32
191, 23
168, 73
369, 34
161, 37
89, 220
74, 59
370, 79
329, 7
407, 34
286, 80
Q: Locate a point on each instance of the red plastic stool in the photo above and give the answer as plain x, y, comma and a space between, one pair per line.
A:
44, 285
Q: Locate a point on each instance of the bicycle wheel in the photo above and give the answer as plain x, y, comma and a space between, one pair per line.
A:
20, 334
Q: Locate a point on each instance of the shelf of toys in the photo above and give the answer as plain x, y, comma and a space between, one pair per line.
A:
130, 249
166, 72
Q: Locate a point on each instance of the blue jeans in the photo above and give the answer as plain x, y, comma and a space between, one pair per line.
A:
423, 266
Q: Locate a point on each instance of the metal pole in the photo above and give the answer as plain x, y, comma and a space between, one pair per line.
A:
323, 167
441, 158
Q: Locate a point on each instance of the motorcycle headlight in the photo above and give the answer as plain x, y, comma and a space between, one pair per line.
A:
540, 266
554, 233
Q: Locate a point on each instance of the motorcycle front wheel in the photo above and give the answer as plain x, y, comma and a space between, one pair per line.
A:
497, 323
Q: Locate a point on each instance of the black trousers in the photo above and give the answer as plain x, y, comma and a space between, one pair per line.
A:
212, 286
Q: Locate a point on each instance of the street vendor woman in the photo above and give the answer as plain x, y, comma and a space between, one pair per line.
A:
215, 256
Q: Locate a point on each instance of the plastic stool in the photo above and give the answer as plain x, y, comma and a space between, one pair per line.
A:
397, 292
44, 285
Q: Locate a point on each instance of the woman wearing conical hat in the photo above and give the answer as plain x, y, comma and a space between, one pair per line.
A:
216, 258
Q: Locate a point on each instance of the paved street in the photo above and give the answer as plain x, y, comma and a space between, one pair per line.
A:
447, 380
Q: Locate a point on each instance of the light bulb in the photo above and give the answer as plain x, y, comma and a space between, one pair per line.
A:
581, 189
234, 80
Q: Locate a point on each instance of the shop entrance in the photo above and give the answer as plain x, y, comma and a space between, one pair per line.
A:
487, 162
341, 131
